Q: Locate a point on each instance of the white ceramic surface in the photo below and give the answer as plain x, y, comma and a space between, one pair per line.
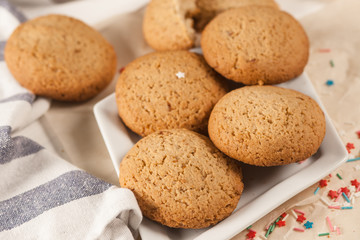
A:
265, 188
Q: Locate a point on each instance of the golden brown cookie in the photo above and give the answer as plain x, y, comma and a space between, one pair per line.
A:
210, 8
61, 58
168, 25
255, 45
267, 125
165, 90
181, 179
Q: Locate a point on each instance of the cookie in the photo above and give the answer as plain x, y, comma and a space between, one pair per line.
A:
255, 45
61, 58
165, 90
267, 125
210, 8
168, 24
181, 180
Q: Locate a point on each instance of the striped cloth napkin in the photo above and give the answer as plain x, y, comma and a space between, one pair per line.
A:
41, 195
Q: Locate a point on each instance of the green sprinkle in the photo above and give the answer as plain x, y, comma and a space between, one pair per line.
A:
353, 160
272, 227
332, 63
268, 232
278, 219
338, 175
323, 234
249, 227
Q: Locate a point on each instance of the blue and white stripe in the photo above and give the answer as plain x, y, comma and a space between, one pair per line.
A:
61, 190
13, 10
17, 147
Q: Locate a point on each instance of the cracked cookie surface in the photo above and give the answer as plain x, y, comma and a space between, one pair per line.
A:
255, 45
267, 125
181, 179
165, 90
209, 9
61, 58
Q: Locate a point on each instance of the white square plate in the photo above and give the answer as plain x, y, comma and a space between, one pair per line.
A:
265, 188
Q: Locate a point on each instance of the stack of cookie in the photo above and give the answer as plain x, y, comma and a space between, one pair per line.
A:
184, 179
175, 98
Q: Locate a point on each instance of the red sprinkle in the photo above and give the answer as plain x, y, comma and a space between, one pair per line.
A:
281, 223
299, 229
358, 133
283, 215
323, 183
333, 194
324, 50
345, 190
301, 218
251, 234
349, 146
355, 183
121, 69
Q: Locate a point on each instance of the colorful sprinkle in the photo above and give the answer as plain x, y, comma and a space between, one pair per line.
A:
349, 147
345, 190
281, 223
358, 133
121, 69
308, 225
323, 183
355, 183
353, 160
298, 211
251, 234
329, 82
180, 75
248, 228
301, 218
316, 190
334, 207
333, 194
324, 50
338, 197
271, 228
324, 201
332, 63
338, 175
323, 234
343, 208
346, 197
338, 230
329, 223
299, 229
